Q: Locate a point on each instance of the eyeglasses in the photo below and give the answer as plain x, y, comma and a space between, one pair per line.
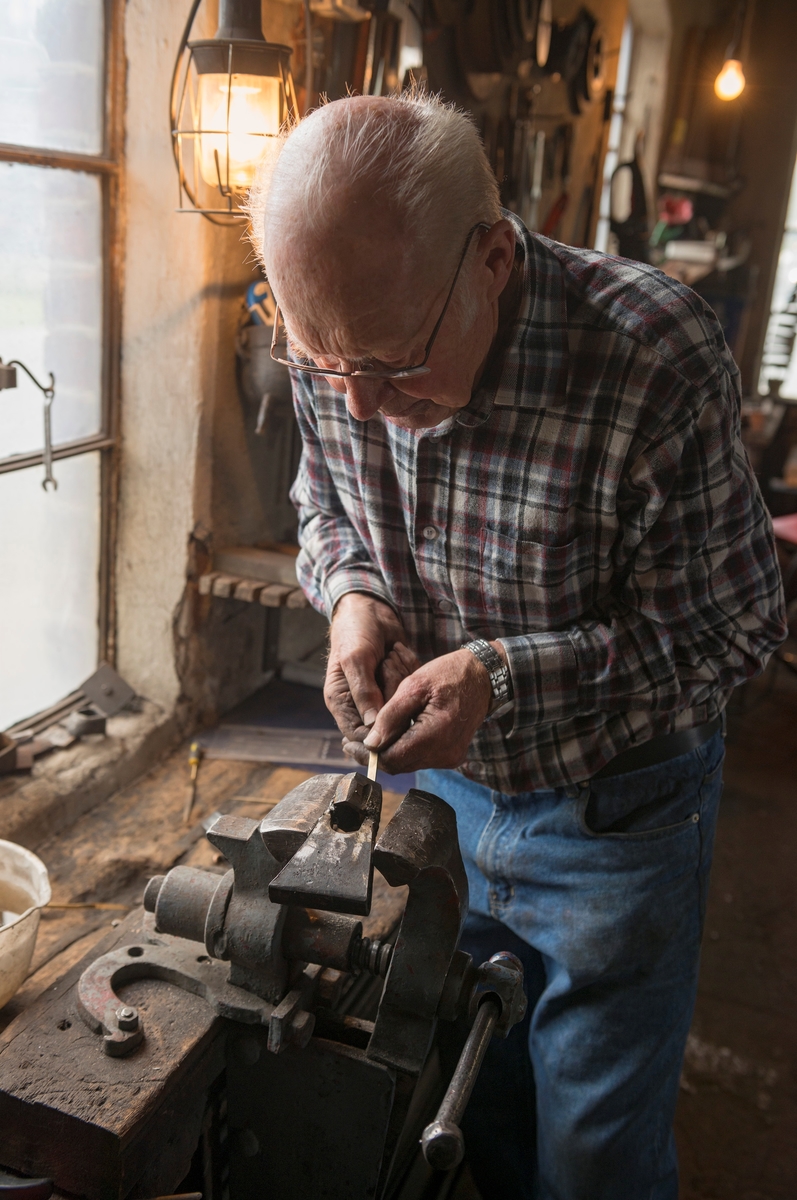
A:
377, 372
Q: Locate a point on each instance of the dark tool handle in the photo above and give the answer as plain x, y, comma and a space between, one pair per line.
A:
442, 1142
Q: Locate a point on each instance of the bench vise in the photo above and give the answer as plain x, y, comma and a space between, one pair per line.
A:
275, 945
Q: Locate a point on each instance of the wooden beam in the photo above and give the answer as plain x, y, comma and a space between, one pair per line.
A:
249, 589
297, 599
224, 586
206, 583
275, 595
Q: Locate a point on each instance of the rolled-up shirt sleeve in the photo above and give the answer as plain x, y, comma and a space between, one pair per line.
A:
333, 559
697, 603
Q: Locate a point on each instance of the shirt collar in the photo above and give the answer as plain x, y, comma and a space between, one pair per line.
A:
534, 368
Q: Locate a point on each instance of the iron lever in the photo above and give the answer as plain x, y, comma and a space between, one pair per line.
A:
442, 1142
496, 994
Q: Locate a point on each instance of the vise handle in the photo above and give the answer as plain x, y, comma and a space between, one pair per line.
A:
442, 1142
498, 992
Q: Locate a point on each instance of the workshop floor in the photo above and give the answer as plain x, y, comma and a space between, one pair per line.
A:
737, 1115
736, 1123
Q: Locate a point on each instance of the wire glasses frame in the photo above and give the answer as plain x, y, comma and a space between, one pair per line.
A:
377, 373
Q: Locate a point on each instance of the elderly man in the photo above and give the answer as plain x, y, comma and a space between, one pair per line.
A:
526, 510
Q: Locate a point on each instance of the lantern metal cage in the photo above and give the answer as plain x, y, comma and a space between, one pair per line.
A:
232, 95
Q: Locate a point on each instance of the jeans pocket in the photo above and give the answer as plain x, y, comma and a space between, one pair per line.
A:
653, 802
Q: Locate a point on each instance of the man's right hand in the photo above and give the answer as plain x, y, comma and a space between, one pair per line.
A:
363, 632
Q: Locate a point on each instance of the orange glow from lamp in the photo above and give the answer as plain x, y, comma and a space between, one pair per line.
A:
730, 82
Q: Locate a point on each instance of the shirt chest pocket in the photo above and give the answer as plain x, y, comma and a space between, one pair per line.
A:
528, 586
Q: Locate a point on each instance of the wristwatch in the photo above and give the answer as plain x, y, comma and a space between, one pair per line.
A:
500, 679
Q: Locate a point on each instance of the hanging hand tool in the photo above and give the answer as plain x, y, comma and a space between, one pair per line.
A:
9, 379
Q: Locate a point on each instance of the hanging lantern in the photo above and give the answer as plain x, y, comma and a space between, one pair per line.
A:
231, 96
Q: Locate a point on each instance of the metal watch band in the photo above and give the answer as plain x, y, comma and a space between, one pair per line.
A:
500, 679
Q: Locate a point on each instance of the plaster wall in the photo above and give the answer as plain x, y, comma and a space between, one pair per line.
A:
163, 322
185, 478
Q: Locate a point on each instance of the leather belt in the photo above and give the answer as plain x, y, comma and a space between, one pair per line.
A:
660, 749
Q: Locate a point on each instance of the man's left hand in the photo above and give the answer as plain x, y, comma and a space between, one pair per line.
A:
447, 699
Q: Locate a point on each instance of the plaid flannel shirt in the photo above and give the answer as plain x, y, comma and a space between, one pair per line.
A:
592, 507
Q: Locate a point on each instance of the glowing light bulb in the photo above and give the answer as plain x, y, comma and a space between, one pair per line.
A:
240, 115
730, 82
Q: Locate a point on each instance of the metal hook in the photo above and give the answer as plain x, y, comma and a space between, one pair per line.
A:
49, 396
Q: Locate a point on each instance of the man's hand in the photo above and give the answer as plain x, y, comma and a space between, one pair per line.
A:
365, 650
447, 699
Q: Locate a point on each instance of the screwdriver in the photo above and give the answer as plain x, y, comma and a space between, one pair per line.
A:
194, 759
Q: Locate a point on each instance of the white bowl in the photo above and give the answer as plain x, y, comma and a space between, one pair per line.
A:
24, 890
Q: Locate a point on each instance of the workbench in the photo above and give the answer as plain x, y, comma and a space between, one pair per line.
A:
151, 1123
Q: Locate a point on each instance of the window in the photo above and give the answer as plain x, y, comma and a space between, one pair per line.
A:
779, 358
60, 81
604, 238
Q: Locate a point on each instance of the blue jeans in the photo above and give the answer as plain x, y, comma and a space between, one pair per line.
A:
600, 890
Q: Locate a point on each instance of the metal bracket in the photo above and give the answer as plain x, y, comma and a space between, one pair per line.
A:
290, 1020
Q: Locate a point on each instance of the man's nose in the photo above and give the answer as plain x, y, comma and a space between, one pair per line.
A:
364, 397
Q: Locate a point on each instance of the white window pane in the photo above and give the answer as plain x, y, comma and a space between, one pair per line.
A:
51, 74
50, 301
49, 597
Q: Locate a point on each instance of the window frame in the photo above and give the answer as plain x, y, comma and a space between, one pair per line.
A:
108, 166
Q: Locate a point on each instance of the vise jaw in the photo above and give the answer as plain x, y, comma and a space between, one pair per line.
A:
232, 916
332, 867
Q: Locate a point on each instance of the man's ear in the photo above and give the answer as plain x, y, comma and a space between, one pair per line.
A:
498, 247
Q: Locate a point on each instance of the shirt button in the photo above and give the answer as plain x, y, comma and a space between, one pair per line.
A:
430, 533
446, 606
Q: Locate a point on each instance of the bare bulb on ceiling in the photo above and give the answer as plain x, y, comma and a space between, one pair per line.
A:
730, 82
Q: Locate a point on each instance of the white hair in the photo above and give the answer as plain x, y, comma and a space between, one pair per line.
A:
423, 159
